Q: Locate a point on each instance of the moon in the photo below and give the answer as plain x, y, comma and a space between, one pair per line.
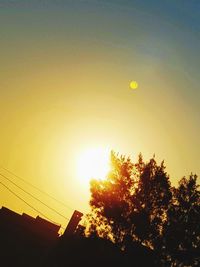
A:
133, 85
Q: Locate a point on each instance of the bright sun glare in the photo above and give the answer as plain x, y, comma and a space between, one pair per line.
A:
93, 163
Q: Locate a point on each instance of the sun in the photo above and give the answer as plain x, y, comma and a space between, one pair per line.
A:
93, 163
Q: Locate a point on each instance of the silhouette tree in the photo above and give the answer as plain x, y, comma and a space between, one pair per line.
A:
137, 209
150, 202
130, 206
181, 236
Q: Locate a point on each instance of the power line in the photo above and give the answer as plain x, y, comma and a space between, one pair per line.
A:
41, 191
28, 204
34, 197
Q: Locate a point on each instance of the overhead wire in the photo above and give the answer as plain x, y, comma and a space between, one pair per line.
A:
35, 187
34, 197
41, 213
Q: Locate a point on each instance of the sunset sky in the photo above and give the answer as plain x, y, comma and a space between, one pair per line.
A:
65, 70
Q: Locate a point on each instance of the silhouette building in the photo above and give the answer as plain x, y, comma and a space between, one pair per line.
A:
73, 223
28, 241
14, 222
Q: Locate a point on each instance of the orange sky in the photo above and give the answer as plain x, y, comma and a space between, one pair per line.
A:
65, 72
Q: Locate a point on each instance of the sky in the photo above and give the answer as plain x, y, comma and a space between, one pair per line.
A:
65, 71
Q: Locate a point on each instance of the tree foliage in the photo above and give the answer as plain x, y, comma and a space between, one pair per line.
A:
137, 204
182, 228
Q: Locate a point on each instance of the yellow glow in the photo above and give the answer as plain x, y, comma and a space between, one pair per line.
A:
93, 163
133, 85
